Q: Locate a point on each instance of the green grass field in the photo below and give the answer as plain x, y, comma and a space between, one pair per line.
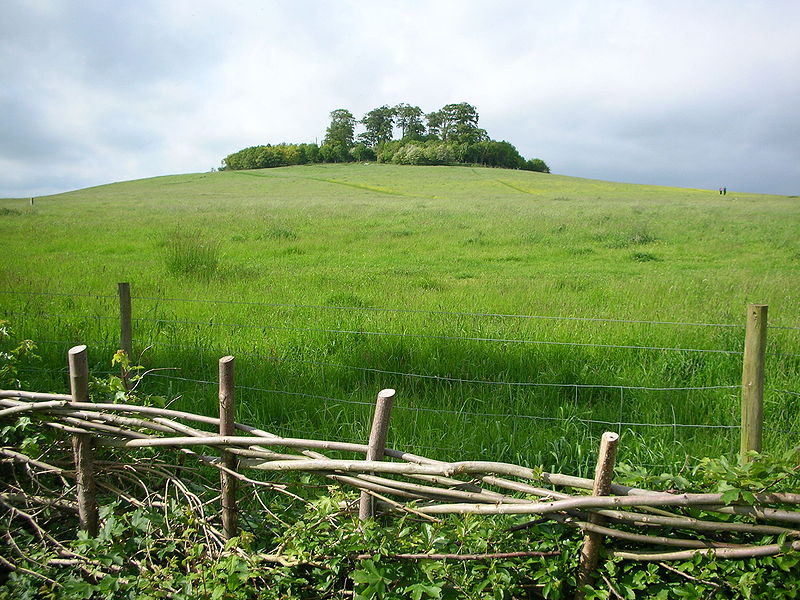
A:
330, 282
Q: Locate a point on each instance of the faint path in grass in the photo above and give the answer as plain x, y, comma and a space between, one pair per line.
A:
361, 186
251, 174
358, 186
516, 187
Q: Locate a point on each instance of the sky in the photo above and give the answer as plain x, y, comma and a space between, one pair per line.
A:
699, 94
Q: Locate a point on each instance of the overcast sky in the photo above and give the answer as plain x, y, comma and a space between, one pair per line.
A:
685, 93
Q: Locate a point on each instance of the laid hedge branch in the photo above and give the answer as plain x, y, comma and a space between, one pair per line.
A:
434, 486
726, 553
489, 556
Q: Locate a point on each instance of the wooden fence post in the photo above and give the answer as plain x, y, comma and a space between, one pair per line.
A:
603, 474
227, 411
125, 325
755, 344
377, 444
82, 443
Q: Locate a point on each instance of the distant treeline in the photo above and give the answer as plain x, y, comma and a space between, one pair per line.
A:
448, 136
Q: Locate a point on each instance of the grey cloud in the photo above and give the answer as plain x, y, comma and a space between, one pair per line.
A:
678, 94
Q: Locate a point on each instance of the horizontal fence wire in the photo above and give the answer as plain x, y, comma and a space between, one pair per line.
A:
784, 392
434, 312
447, 378
402, 335
392, 310
390, 334
263, 390
451, 313
448, 337
56, 294
456, 412
60, 316
504, 340
397, 310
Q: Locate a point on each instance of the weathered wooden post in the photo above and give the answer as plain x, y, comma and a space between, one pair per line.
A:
755, 343
125, 325
82, 443
125, 328
227, 420
592, 542
377, 444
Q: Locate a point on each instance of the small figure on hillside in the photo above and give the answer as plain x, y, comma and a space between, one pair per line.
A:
724, 191
720, 191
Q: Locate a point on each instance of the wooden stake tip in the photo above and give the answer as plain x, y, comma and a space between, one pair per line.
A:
77, 350
387, 393
226, 359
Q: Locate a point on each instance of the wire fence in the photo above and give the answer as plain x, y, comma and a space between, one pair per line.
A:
481, 414
378, 309
363, 332
106, 319
393, 310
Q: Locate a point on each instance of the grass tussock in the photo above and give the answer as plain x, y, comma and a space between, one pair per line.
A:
191, 255
639, 236
644, 257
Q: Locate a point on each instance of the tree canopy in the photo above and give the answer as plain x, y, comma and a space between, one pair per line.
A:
450, 135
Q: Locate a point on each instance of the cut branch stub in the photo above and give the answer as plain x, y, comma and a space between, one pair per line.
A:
592, 541
377, 444
82, 443
227, 427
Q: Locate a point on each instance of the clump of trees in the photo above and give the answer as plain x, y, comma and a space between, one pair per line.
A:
401, 134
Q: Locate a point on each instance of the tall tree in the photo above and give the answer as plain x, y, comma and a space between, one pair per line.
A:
459, 123
379, 123
409, 119
435, 121
340, 132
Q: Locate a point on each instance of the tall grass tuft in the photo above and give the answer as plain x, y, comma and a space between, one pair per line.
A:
191, 255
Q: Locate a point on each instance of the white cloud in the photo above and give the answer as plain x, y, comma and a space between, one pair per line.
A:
679, 93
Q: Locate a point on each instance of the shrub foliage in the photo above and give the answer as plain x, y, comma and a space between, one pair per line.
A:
451, 137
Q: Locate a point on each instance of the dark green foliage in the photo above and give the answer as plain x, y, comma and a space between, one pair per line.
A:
644, 257
453, 137
490, 153
361, 152
536, 164
341, 131
282, 155
456, 123
409, 120
334, 153
324, 551
13, 355
379, 123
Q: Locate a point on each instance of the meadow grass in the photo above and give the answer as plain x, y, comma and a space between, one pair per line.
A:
330, 282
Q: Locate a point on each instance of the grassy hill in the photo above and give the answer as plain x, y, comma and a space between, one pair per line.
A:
421, 264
